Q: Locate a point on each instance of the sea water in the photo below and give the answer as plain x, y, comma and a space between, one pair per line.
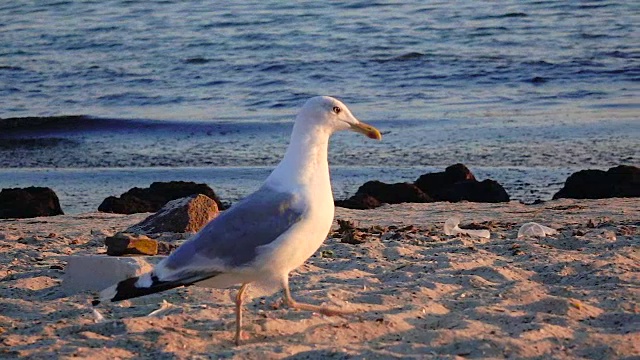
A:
524, 92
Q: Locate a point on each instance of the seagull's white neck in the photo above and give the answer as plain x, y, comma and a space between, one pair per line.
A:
305, 162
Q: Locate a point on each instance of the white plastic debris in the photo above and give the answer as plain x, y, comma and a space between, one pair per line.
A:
165, 309
535, 229
97, 316
451, 228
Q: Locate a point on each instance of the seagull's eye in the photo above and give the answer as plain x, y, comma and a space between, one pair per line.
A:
336, 110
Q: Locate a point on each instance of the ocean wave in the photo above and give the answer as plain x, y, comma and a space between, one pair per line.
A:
502, 16
11, 68
35, 122
197, 60
33, 126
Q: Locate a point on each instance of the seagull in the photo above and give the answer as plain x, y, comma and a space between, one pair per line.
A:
268, 234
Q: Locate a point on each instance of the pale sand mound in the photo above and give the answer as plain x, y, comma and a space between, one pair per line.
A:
424, 294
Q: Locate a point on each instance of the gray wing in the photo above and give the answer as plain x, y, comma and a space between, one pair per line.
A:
233, 237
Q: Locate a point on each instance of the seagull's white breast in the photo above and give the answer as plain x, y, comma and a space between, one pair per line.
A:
296, 245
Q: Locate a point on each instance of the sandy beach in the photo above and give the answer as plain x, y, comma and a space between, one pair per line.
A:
101, 97
417, 292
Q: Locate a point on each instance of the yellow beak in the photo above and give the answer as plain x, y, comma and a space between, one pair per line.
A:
368, 130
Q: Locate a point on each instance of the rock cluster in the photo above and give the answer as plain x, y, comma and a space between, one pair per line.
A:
151, 199
29, 202
185, 215
619, 181
455, 184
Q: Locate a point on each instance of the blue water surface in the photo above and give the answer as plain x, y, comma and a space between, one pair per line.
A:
257, 60
524, 92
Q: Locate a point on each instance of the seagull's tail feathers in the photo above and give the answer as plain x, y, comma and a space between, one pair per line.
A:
145, 284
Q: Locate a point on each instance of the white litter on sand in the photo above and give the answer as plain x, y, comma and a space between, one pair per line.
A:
535, 229
451, 228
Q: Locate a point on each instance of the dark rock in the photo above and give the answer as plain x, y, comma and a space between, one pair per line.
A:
437, 184
487, 191
359, 202
125, 205
619, 181
393, 193
29, 202
457, 183
187, 214
373, 193
153, 198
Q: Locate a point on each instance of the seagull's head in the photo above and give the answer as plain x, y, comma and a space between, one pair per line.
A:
331, 113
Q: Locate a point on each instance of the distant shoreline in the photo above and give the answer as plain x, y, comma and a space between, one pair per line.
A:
83, 189
85, 159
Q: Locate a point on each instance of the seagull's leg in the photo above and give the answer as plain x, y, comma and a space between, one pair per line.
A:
239, 312
315, 308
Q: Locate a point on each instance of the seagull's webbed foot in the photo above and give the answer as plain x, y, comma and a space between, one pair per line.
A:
239, 336
315, 308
